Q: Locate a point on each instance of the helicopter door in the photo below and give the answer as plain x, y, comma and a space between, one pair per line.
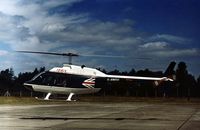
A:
52, 79
61, 80
48, 80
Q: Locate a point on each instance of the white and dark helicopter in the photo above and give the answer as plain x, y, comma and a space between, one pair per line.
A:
72, 79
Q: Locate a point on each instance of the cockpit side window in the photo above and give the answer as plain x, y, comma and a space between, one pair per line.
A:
52, 79
36, 76
42, 78
37, 79
48, 80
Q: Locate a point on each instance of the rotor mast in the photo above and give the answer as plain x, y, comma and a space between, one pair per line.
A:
70, 55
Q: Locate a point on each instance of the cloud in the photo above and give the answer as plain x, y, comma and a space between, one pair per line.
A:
53, 3
101, 33
3, 53
30, 8
31, 30
170, 38
25, 23
167, 46
40, 26
50, 28
177, 53
163, 47
154, 45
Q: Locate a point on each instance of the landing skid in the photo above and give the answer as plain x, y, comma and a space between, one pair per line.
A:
51, 100
42, 99
47, 96
69, 99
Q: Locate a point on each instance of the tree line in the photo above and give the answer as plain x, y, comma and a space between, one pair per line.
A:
185, 84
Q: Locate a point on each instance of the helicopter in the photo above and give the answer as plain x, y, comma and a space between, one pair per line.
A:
74, 80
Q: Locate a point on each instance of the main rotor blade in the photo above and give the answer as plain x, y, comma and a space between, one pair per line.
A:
103, 56
70, 54
114, 56
84, 55
50, 53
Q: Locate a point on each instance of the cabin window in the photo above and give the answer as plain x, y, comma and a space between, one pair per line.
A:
60, 81
52, 79
48, 80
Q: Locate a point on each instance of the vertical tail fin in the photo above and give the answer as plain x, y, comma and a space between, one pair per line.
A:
170, 69
169, 73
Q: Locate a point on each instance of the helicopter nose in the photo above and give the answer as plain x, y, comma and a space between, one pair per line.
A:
28, 86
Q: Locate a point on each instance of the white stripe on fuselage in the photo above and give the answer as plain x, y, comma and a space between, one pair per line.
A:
63, 90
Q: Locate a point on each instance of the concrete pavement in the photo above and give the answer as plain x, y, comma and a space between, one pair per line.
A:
102, 116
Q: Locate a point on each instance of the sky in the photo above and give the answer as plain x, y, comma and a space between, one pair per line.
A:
160, 31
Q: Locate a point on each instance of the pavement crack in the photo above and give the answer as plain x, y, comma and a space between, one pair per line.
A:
79, 118
184, 122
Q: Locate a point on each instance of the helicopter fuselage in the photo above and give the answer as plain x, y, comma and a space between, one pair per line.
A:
67, 79
72, 79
